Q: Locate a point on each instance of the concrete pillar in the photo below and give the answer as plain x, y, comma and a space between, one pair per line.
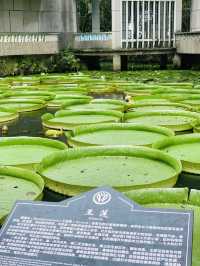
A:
116, 62
177, 61
96, 16
179, 7
195, 16
116, 24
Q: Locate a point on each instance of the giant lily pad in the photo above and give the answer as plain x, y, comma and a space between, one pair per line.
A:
72, 88
193, 100
196, 128
60, 100
178, 85
46, 96
22, 105
117, 134
159, 107
65, 92
27, 152
176, 91
185, 148
7, 115
175, 120
67, 120
122, 167
99, 104
173, 199
72, 102
151, 99
18, 184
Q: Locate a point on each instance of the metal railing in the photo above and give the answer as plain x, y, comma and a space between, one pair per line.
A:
89, 37
28, 43
19, 37
148, 24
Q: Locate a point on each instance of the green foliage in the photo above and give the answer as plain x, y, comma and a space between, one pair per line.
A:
106, 17
7, 67
26, 65
65, 61
84, 8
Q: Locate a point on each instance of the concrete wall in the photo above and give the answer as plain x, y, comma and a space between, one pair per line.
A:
37, 16
188, 43
195, 16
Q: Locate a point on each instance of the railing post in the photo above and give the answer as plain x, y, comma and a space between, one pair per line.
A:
95, 15
178, 16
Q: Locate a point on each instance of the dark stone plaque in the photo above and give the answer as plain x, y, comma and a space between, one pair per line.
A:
101, 228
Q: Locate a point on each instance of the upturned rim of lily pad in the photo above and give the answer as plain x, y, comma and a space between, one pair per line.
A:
81, 130
66, 188
115, 116
10, 114
181, 127
188, 166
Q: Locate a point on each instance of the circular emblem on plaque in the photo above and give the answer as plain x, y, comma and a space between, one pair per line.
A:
102, 197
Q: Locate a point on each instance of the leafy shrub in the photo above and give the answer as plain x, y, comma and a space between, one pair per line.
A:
26, 65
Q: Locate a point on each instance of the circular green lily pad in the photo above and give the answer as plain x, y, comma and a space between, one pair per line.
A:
175, 120
27, 152
72, 88
138, 92
70, 102
22, 105
67, 120
178, 85
73, 96
173, 199
196, 128
122, 167
176, 91
159, 107
117, 134
99, 104
18, 184
7, 115
66, 92
61, 100
45, 96
185, 148
150, 99
193, 100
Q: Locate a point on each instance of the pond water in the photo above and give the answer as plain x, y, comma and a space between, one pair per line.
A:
30, 124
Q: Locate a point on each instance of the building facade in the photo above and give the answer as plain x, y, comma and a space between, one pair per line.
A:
35, 26
46, 26
47, 16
